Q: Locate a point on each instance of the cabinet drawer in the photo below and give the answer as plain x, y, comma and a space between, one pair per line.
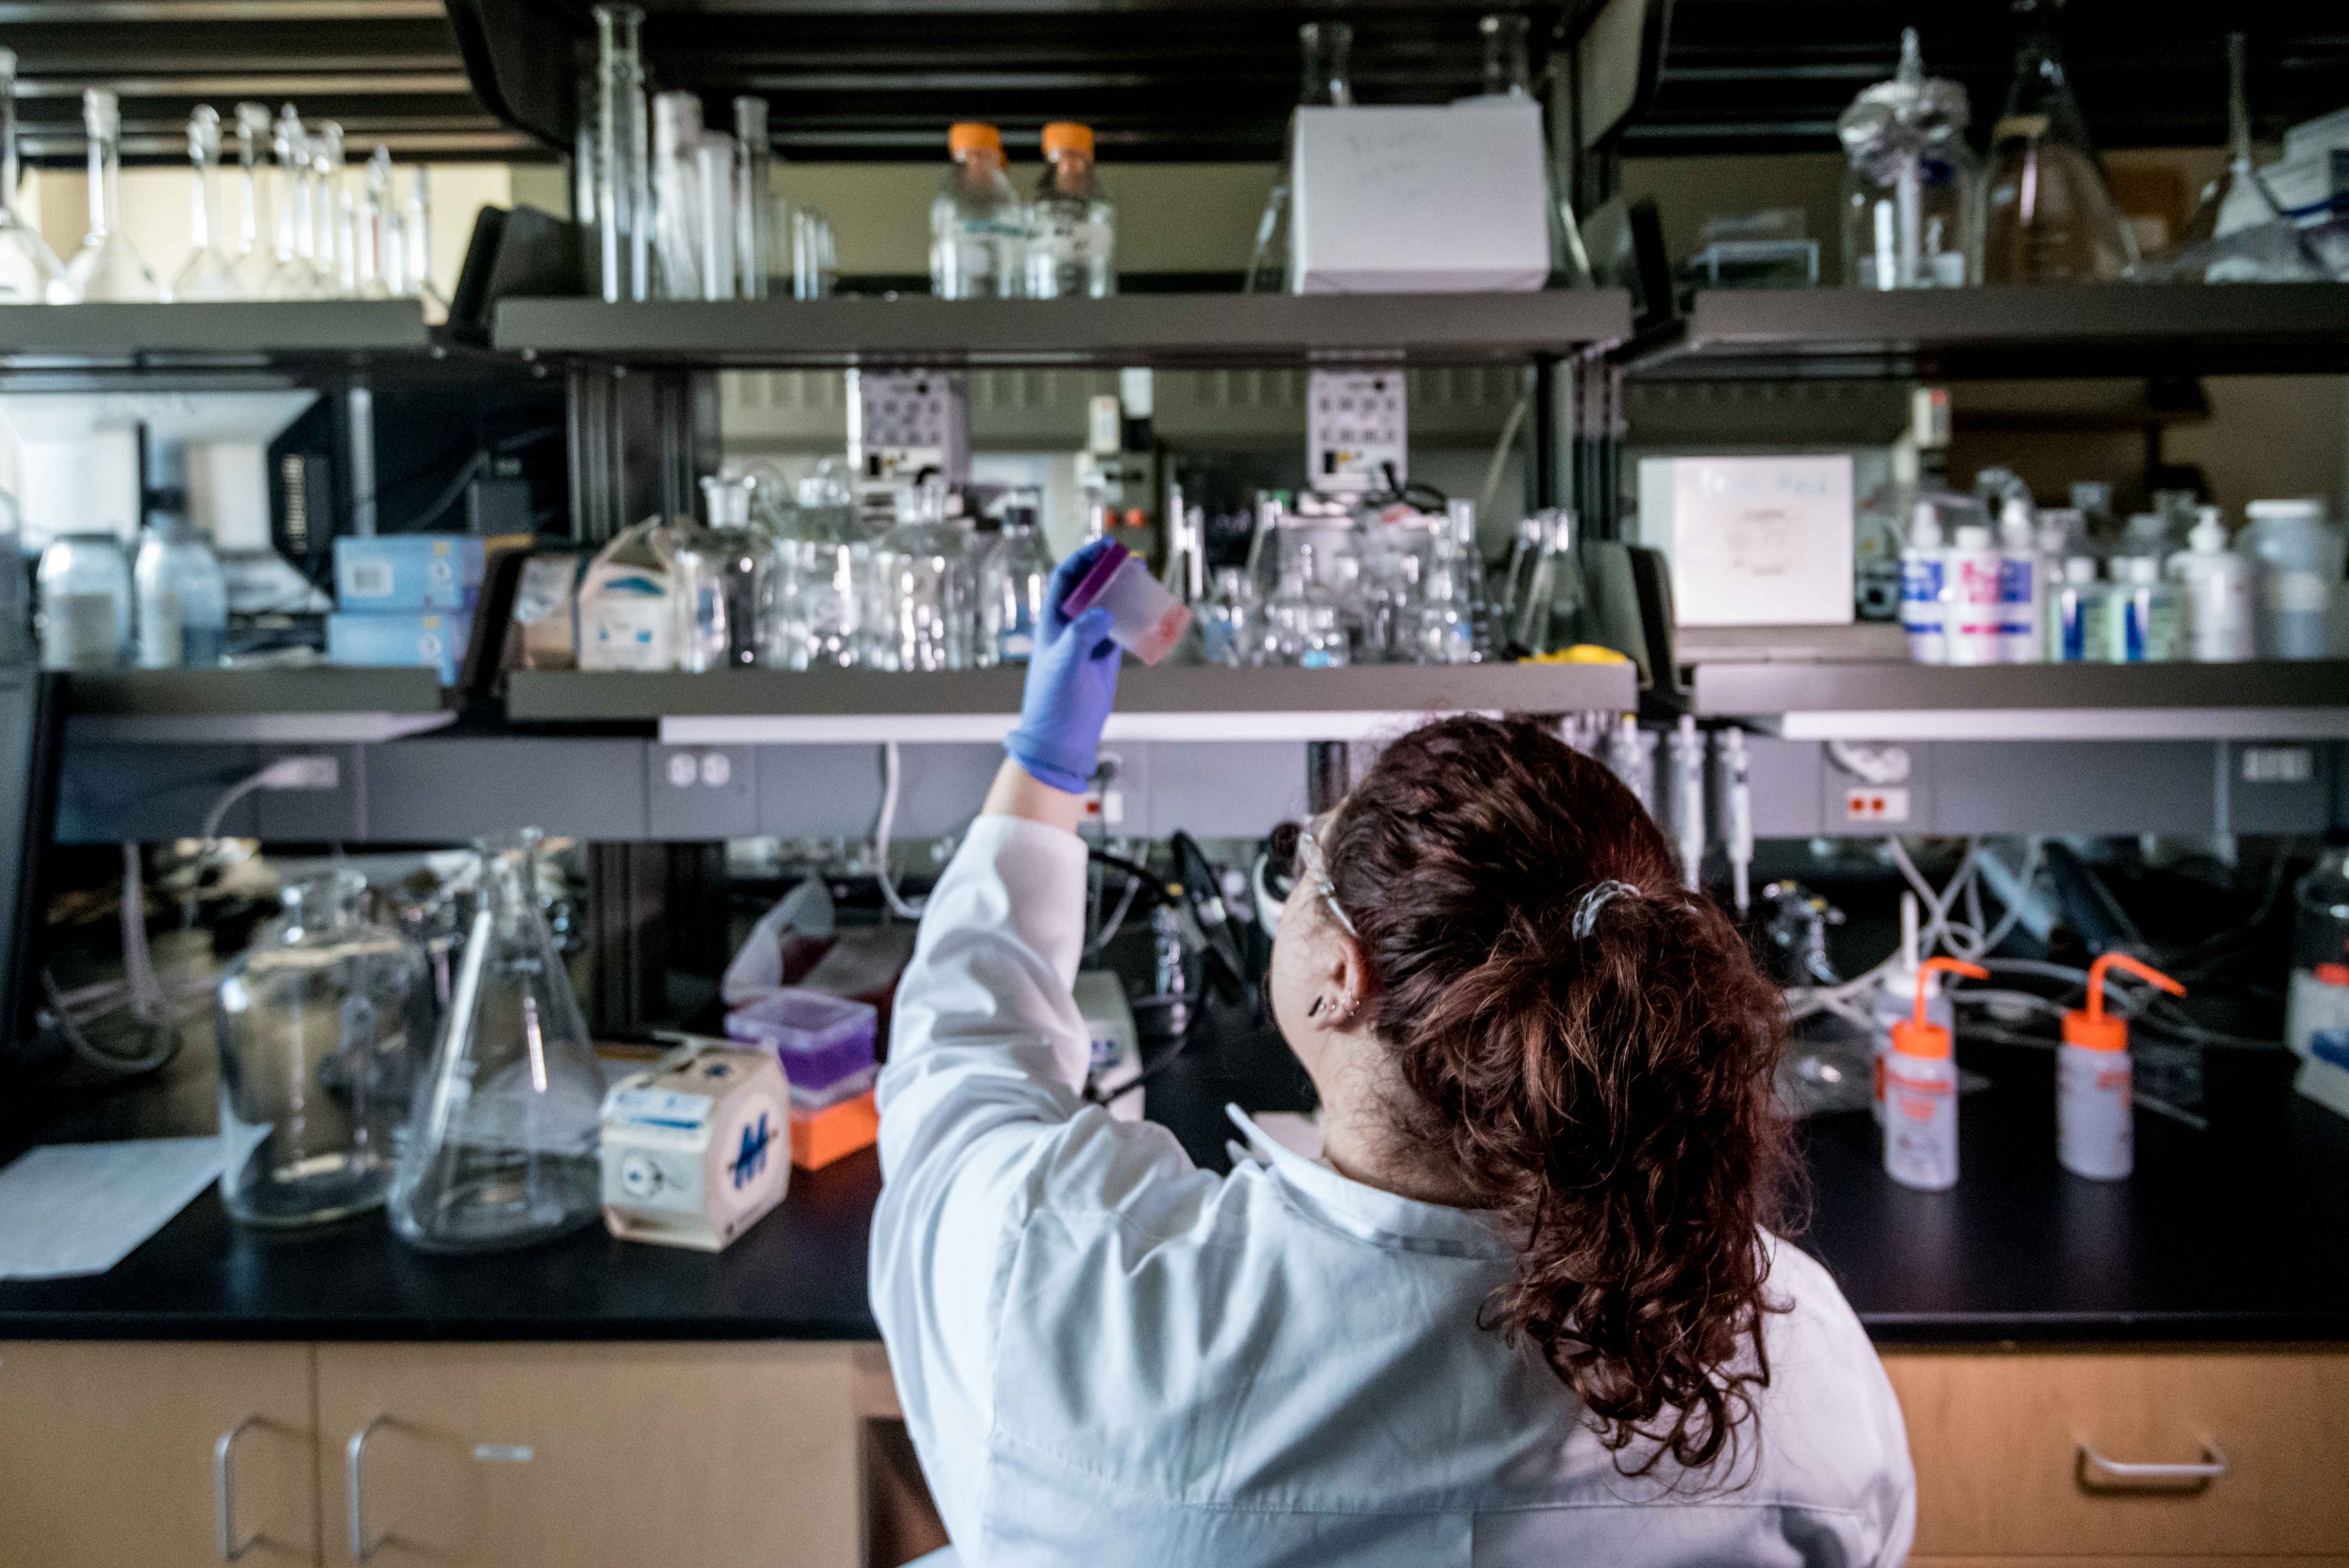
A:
592, 1456
1997, 1438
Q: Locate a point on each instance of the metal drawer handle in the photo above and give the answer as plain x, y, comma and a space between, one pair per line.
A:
362, 1547
2213, 1465
224, 1494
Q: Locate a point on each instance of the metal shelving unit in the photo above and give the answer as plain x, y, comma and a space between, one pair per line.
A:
250, 333
775, 706
325, 705
1167, 330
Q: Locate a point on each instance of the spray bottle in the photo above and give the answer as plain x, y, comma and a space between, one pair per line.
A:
1920, 1092
1896, 995
2091, 1079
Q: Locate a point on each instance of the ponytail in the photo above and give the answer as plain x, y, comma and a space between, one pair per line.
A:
1592, 1049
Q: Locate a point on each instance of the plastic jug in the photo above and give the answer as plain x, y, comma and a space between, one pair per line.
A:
2299, 559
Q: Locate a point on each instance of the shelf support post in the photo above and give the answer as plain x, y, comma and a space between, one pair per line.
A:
641, 442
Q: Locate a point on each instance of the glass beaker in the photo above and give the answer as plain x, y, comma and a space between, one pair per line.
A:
501, 1143
30, 272
1911, 211
1550, 617
321, 1031
2050, 217
1327, 46
107, 267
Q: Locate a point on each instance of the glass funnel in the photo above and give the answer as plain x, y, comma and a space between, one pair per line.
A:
208, 273
501, 1142
321, 1030
107, 267
2050, 217
30, 272
1326, 47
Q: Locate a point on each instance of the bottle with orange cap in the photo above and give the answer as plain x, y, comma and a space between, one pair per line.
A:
1072, 239
979, 225
1920, 1090
2092, 1083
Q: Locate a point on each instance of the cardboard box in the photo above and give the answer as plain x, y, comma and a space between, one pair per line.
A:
408, 572
404, 639
1752, 542
1420, 199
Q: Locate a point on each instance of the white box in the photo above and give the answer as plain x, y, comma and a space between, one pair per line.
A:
1419, 199
1754, 542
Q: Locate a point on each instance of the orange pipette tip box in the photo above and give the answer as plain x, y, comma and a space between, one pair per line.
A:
820, 1136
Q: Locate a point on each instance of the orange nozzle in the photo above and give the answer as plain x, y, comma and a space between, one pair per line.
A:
1913, 1036
2090, 1026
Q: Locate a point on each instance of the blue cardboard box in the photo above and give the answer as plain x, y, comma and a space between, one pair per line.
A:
432, 638
408, 572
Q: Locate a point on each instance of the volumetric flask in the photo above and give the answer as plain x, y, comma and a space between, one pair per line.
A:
501, 1142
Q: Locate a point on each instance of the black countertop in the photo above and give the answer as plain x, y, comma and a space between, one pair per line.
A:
2224, 1234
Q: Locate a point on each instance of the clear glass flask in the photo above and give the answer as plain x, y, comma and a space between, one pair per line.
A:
1013, 581
207, 273
1549, 617
500, 1150
107, 267
374, 206
2273, 248
416, 232
295, 274
338, 214
1912, 191
1303, 622
84, 588
621, 180
321, 1031
1451, 629
1072, 251
979, 226
251, 257
677, 196
1232, 628
2049, 215
1327, 47
926, 594
30, 272
817, 614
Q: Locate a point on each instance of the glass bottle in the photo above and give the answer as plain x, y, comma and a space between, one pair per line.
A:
1073, 251
84, 586
501, 1143
107, 267
375, 199
761, 216
1305, 626
1231, 631
183, 598
322, 1029
2317, 1003
1326, 47
718, 574
815, 265
621, 178
208, 273
1013, 580
1533, 534
1911, 193
251, 259
30, 272
1452, 602
416, 232
1549, 619
2050, 216
715, 175
979, 226
676, 197
296, 275
337, 215
815, 613
927, 589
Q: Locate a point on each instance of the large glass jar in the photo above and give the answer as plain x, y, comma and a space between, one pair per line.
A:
818, 598
928, 587
1912, 215
501, 1148
321, 1028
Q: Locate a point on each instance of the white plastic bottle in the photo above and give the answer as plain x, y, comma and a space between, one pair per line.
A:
2077, 615
2094, 1089
1896, 995
2022, 587
1924, 589
1920, 1093
2216, 584
1977, 625
2148, 623
2299, 572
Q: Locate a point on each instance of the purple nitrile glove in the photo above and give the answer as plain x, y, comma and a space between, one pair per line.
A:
1071, 685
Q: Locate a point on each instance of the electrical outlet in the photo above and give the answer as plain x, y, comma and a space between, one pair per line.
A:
2279, 765
1872, 804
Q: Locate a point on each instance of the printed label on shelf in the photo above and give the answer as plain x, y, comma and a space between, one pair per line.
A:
2279, 765
1876, 805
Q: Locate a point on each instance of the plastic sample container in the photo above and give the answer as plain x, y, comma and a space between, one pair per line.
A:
823, 1042
1145, 620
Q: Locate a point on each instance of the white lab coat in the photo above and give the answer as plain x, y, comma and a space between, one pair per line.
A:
1108, 1357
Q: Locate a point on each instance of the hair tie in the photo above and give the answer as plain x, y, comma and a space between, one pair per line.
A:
1586, 913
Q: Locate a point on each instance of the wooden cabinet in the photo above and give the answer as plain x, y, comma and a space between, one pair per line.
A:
592, 1456
111, 1454
1997, 1439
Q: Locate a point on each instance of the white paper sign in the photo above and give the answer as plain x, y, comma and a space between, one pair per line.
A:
1754, 542
1420, 199
71, 1208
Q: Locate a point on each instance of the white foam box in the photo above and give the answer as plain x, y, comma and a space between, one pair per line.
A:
1413, 199
1752, 542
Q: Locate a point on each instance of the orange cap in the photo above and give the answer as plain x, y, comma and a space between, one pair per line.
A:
1068, 136
1136, 518
1913, 1036
2092, 1028
969, 135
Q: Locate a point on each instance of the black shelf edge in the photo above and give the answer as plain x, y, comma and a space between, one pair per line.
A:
321, 689
1171, 330
2004, 331
1751, 690
245, 330
580, 696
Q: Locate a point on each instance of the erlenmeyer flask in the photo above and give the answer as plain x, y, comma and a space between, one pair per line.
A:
2240, 199
107, 267
1328, 47
254, 259
30, 272
2052, 218
207, 274
296, 275
501, 1142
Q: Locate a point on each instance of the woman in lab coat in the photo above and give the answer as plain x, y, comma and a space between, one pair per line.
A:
1525, 1308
